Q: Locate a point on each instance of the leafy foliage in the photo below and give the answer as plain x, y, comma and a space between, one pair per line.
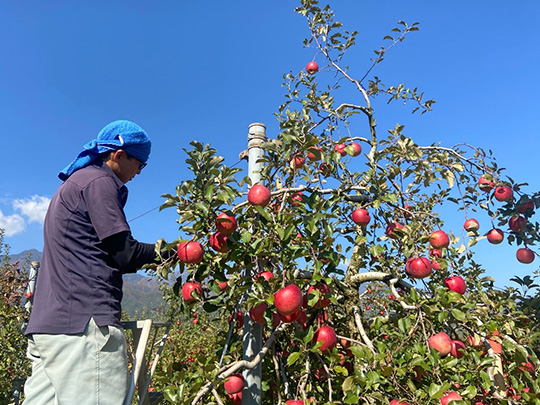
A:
14, 367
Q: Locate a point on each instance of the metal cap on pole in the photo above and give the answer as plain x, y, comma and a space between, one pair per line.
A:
252, 339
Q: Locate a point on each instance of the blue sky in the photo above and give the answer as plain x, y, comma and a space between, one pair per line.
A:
205, 70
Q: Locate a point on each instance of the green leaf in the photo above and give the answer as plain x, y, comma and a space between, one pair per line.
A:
456, 313
293, 357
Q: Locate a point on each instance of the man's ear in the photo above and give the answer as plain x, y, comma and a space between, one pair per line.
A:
117, 155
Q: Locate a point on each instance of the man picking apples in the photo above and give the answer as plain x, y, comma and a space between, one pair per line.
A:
75, 340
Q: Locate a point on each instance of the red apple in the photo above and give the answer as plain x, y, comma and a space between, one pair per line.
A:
360, 216
326, 335
259, 195
357, 148
439, 239
312, 67
298, 161
517, 223
526, 207
234, 383
223, 285
495, 236
485, 184
418, 267
340, 148
302, 319
474, 341
314, 153
226, 224
458, 349
526, 367
288, 300
190, 252
236, 398
396, 402
435, 253
503, 193
407, 211
456, 283
257, 313
267, 275
297, 199
440, 342
450, 396
29, 295
294, 402
326, 169
391, 228
218, 242
324, 293
290, 318
471, 225
187, 290
239, 320
525, 255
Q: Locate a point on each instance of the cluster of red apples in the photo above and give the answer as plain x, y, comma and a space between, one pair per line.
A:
517, 223
418, 267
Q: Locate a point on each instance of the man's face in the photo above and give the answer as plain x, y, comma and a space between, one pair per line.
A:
125, 167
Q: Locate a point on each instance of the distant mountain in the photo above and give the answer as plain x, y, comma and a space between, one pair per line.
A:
35, 255
141, 293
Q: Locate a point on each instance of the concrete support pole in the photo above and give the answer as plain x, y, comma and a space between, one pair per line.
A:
32, 276
252, 339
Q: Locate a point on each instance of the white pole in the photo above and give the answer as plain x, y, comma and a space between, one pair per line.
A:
252, 394
32, 275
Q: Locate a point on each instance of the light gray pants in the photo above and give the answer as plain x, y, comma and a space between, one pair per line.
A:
85, 369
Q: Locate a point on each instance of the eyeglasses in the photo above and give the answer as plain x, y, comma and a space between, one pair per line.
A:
141, 165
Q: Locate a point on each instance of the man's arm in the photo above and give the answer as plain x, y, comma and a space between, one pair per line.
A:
128, 254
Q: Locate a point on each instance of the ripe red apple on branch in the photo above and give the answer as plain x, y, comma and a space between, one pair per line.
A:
360, 216
340, 148
234, 383
458, 349
517, 223
288, 300
486, 184
324, 293
187, 290
440, 342
218, 242
450, 396
503, 193
326, 335
312, 67
439, 239
396, 402
495, 236
190, 252
259, 195
525, 255
418, 267
315, 153
226, 224
456, 283
471, 225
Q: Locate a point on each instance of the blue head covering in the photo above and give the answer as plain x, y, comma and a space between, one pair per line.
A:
122, 134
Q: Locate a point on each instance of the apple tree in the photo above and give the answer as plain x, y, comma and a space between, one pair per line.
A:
349, 253
14, 366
